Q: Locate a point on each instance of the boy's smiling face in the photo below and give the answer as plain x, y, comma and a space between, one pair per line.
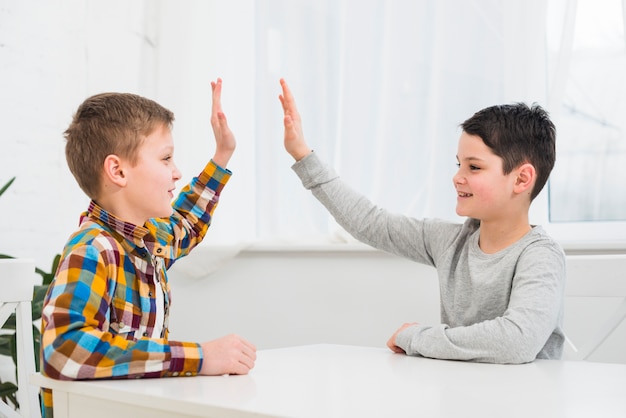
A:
151, 181
483, 190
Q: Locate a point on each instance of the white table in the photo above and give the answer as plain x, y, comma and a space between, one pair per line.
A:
321, 381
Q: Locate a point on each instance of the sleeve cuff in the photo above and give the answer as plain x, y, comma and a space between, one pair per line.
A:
186, 359
312, 171
214, 177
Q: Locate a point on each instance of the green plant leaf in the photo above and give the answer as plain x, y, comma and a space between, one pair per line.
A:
7, 392
37, 345
8, 347
6, 388
13, 344
39, 293
47, 277
5, 344
6, 186
10, 323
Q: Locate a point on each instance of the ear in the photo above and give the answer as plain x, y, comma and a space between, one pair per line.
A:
525, 179
114, 170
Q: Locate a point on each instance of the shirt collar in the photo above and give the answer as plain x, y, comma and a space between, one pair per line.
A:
131, 232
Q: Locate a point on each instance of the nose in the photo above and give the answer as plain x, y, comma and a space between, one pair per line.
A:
176, 174
458, 178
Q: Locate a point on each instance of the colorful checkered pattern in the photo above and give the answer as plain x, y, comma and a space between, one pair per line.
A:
99, 314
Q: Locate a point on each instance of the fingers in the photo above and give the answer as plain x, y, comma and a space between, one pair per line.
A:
247, 344
286, 92
246, 359
287, 100
249, 351
218, 118
219, 121
294, 141
224, 138
216, 88
288, 104
217, 114
288, 122
391, 344
397, 349
228, 355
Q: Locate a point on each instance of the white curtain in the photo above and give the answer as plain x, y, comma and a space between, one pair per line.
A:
382, 87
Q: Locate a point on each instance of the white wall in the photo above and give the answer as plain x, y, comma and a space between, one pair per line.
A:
278, 297
56, 53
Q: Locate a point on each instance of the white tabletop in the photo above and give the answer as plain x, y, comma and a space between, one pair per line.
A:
348, 381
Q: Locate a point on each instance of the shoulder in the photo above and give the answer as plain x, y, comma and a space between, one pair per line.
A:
537, 241
538, 251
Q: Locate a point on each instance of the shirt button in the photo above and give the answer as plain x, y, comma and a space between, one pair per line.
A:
159, 250
145, 334
121, 325
150, 294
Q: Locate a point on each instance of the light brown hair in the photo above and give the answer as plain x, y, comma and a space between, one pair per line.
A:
105, 124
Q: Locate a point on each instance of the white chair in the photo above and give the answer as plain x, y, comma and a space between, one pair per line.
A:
17, 281
597, 276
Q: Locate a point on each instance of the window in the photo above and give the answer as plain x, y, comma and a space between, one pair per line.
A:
587, 91
588, 62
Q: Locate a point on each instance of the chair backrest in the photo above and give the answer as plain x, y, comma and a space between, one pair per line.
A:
17, 281
597, 276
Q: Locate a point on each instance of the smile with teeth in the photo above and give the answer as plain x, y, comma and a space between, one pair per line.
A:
463, 194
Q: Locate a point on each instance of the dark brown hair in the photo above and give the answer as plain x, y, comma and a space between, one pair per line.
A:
518, 134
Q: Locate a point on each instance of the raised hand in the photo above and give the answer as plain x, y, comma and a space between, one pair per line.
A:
294, 137
224, 139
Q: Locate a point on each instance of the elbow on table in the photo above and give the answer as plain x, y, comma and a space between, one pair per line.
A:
52, 372
518, 352
55, 365
517, 358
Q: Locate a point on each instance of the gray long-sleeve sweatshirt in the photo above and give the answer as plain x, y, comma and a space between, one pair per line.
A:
505, 307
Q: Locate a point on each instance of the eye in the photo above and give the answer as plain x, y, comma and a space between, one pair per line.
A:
458, 164
474, 168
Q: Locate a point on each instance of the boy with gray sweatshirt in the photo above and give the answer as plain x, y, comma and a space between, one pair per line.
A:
501, 279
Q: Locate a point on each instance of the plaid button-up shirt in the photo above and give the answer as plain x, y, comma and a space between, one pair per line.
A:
100, 313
